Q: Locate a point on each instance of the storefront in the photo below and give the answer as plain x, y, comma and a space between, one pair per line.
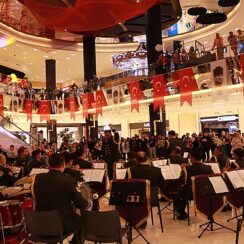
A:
138, 128
228, 123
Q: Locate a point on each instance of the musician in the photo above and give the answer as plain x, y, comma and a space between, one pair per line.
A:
220, 158
56, 191
81, 161
11, 154
173, 141
143, 170
75, 174
23, 159
238, 155
36, 162
176, 157
110, 149
6, 176
185, 191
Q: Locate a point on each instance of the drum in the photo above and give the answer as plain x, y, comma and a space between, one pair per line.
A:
27, 204
11, 213
86, 192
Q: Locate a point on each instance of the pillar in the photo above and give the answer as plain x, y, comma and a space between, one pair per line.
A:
51, 77
153, 35
89, 56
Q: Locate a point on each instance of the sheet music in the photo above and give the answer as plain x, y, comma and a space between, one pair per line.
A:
185, 155
120, 173
99, 165
93, 175
176, 170
159, 163
241, 174
36, 171
218, 184
235, 179
167, 173
215, 167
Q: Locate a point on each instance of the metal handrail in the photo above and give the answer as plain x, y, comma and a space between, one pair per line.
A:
12, 123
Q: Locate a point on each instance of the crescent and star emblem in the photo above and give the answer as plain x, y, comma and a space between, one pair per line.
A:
134, 92
44, 108
158, 86
185, 81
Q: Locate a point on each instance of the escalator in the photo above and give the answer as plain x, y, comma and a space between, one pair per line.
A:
8, 138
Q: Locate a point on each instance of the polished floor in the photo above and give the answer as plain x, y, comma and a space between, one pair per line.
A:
178, 232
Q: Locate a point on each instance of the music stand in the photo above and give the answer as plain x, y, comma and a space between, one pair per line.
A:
207, 201
131, 198
235, 198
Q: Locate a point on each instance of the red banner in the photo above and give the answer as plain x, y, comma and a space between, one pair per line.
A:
87, 101
72, 106
188, 84
135, 93
1, 104
27, 108
100, 102
44, 109
159, 91
242, 68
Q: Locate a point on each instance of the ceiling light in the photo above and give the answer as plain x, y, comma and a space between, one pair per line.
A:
67, 58
25, 53
53, 52
72, 54
4, 48
30, 63
46, 56
25, 57
34, 49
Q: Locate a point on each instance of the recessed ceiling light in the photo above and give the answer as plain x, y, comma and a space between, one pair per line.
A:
25, 53
67, 58
46, 56
72, 54
30, 63
53, 52
25, 57
4, 48
34, 49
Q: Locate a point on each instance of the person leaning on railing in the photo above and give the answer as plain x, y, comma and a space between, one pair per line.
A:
219, 44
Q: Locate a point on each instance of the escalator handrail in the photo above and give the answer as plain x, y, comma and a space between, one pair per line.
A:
29, 134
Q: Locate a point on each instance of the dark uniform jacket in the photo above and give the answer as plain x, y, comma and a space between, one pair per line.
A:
56, 191
147, 172
193, 170
110, 149
75, 174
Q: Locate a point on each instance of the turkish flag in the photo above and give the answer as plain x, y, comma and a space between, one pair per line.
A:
27, 108
188, 84
242, 68
87, 101
1, 105
44, 109
135, 93
72, 106
100, 102
159, 91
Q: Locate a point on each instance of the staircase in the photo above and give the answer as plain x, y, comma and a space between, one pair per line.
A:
8, 138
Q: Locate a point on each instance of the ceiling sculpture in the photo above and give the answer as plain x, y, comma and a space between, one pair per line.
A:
86, 15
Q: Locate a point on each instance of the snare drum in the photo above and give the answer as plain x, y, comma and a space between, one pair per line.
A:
11, 213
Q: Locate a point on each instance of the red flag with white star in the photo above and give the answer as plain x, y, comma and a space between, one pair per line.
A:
44, 109
188, 84
242, 68
72, 106
135, 93
87, 101
100, 102
27, 108
1, 104
159, 91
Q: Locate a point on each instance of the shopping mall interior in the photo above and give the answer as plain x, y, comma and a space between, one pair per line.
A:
146, 72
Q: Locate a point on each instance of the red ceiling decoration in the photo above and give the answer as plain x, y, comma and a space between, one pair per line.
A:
87, 15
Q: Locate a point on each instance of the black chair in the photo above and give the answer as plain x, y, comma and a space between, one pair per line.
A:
44, 226
102, 227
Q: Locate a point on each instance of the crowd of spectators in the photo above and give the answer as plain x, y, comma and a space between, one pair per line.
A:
156, 147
